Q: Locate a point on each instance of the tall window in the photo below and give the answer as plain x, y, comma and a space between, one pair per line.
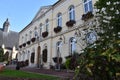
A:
59, 20
41, 29
59, 46
47, 24
71, 13
30, 35
36, 33
88, 5
72, 45
22, 39
26, 38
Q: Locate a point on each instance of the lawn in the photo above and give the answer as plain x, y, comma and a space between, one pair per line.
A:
21, 74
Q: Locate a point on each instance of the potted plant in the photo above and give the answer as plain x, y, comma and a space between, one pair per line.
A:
55, 59
70, 23
87, 16
28, 42
45, 34
57, 29
24, 44
33, 39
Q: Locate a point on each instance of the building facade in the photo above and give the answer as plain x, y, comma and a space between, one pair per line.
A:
57, 31
9, 41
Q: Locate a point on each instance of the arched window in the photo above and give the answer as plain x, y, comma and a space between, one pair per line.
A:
32, 57
47, 24
59, 48
71, 13
72, 45
88, 5
59, 20
44, 53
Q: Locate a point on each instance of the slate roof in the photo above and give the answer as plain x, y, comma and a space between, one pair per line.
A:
9, 39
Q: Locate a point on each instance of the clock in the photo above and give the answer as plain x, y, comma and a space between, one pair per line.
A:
91, 37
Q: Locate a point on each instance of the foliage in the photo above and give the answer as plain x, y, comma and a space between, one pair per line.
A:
101, 60
71, 62
1, 55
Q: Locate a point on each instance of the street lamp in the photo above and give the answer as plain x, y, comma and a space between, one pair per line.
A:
62, 38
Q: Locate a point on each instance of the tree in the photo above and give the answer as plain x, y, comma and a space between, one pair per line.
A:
101, 60
1, 55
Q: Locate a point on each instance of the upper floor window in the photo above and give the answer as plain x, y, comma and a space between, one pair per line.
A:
36, 33
47, 24
72, 13
22, 39
41, 29
26, 38
88, 5
59, 47
59, 20
30, 34
72, 45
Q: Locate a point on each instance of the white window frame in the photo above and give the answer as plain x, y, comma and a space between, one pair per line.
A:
47, 24
72, 45
59, 48
87, 3
59, 20
41, 25
72, 12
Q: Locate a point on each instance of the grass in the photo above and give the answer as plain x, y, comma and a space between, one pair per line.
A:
23, 74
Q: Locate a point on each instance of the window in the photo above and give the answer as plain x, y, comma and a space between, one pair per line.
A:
41, 29
59, 46
44, 54
72, 45
71, 13
88, 5
47, 24
59, 20
26, 38
22, 39
36, 34
30, 36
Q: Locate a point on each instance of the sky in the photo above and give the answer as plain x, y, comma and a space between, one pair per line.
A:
20, 12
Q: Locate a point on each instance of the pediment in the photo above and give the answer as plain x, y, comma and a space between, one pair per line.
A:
41, 11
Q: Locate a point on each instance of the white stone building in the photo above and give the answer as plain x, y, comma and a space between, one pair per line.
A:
57, 31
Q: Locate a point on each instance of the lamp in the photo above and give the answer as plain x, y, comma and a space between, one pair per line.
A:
62, 38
